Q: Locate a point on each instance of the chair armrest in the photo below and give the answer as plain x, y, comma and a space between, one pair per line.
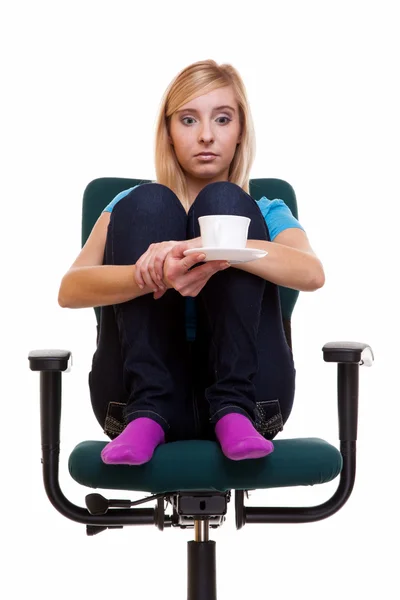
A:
50, 360
348, 352
51, 363
349, 356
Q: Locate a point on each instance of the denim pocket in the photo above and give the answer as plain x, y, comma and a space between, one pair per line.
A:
115, 421
268, 418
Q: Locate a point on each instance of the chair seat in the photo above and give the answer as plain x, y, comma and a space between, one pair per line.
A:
200, 465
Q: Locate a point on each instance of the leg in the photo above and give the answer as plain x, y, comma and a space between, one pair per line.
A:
152, 337
239, 316
229, 309
274, 381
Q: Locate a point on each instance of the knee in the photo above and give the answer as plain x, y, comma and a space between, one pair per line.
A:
148, 199
221, 187
224, 197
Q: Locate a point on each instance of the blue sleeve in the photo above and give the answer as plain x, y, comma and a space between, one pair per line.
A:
277, 215
117, 198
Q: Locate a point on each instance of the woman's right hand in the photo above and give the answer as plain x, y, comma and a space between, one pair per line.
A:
177, 274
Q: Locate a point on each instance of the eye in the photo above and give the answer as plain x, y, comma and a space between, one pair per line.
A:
227, 120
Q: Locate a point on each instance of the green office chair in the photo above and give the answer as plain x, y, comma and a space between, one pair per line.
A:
194, 476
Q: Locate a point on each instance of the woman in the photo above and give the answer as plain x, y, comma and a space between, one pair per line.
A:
192, 349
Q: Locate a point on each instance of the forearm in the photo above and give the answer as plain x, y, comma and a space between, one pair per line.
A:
102, 285
285, 266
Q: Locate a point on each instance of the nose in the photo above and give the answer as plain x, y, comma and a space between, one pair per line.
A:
206, 134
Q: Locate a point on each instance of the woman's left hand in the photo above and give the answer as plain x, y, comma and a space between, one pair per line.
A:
149, 267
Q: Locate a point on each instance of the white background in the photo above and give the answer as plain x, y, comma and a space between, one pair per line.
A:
82, 86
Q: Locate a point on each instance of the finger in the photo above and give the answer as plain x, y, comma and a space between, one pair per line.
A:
207, 269
154, 276
158, 266
179, 248
142, 267
138, 275
194, 243
189, 261
157, 295
147, 275
193, 287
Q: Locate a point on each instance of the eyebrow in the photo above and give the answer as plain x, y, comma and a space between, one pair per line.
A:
193, 110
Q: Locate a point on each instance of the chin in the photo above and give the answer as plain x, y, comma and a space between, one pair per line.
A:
206, 172
209, 175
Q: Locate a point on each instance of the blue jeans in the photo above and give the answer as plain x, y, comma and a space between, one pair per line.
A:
240, 360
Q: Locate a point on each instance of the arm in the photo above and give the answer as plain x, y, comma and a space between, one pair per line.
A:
290, 261
90, 283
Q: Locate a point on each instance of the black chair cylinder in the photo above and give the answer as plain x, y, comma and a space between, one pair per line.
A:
202, 577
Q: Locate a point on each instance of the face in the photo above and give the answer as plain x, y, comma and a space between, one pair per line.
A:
208, 123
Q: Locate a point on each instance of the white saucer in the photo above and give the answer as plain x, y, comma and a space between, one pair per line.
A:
232, 255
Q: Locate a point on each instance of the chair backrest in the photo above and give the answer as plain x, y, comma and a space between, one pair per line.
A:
101, 191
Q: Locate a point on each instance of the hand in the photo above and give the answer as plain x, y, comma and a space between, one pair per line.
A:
177, 274
149, 267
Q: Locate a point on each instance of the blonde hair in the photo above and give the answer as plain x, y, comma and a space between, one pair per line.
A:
195, 80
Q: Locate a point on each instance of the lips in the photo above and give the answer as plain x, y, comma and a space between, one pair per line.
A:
206, 154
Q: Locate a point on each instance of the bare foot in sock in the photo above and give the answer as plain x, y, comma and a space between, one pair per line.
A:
135, 445
239, 439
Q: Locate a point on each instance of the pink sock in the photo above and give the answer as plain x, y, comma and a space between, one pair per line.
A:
239, 439
135, 445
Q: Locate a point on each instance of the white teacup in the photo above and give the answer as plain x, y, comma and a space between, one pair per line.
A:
224, 231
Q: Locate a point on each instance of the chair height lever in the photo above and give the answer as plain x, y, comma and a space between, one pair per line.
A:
98, 505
